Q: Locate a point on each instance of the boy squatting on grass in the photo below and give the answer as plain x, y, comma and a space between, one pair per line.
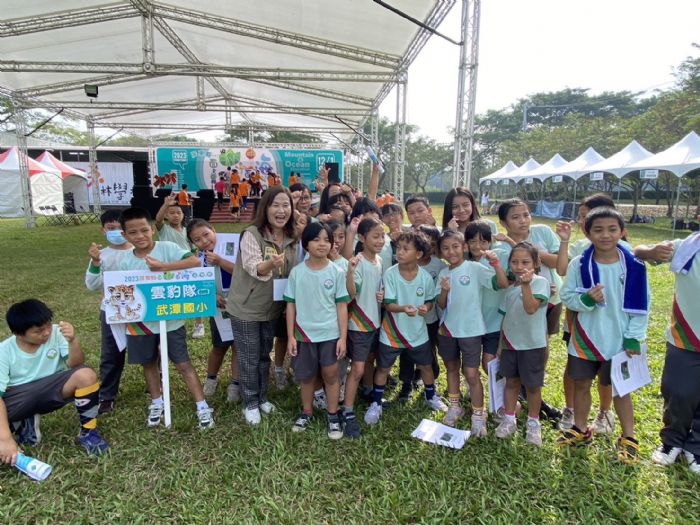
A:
41, 370
607, 293
142, 338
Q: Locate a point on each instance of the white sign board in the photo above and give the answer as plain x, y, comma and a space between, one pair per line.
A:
650, 174
597, 175
558, 178
116, 181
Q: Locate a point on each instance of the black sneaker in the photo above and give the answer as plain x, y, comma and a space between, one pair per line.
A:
351, 427
405, 394
303, 421
335, 429
550, 413
106, 407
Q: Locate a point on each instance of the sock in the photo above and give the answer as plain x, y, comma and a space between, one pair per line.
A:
454, 399
201, 405
348, 413
535, 419
429, 391
510, 417
86, 402
319, 392
406, 387
158, 401
212, 376
377, 394
477, 411
308, 412
279, 370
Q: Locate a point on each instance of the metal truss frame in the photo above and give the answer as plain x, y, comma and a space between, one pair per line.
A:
466, 93
386, 69
400, 137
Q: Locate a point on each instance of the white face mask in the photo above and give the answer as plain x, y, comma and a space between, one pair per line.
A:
115, 237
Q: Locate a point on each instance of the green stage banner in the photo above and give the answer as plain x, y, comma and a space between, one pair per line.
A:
200, 168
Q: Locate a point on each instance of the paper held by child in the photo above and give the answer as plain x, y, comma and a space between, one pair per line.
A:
497, 386
629, 373
279, 286
223, 325
439, 434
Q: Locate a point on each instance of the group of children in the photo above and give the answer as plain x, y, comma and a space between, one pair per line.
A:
360, 298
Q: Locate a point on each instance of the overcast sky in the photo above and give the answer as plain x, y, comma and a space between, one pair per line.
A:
529, 46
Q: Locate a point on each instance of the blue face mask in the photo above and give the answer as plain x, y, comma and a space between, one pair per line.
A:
115, 237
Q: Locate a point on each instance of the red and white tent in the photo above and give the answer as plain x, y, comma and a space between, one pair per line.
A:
45, 185
75, 181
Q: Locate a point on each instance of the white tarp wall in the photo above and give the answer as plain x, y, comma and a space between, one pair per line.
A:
47, 193
78, 186
11, 194
116, 182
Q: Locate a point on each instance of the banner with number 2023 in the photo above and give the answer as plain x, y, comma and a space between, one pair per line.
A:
140, 295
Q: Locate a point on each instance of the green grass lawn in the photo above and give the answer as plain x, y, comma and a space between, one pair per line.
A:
236, 474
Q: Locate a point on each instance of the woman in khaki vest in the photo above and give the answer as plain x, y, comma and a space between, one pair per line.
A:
267, 252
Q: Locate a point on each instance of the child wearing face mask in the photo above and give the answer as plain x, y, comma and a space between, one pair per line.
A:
113, 349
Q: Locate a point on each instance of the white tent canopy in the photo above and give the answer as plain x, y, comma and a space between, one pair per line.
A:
523, 171
681, 158
542, 173
578, 167
44, 182
179, 66
500, 174
75, 181
619, 163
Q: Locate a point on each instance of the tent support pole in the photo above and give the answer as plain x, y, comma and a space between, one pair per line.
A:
20, 130
675, 209
94, 174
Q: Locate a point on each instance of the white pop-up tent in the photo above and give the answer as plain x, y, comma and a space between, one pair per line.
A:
75, 181
522, 173
578, 167
680, 159
45, 185
619, 164
542, 173
500, 174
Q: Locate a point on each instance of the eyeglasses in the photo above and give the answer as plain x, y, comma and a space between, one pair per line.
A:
305, 198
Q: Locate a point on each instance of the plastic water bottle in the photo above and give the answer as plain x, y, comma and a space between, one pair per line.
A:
373, 157
32, 467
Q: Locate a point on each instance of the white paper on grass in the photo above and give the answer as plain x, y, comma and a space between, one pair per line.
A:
497, 386
629, 373
439, 434
223, 325
280, 285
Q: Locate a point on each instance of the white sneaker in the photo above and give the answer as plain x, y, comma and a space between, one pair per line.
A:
507, 428
666, 455
437, 404
206, 418
693, 464
320, 402
209, 386
374, 412
533, 433
604, 422
454, 412
479, 429
567, 419
233, 393
267, 408
198, 332
155, 414
252, 416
